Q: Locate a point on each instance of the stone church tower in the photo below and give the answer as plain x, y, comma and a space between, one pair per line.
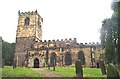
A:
32, 51
28, 32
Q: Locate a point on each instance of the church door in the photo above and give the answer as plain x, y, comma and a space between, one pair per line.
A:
36, 63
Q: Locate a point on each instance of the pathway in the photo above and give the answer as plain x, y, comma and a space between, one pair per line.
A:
46, 73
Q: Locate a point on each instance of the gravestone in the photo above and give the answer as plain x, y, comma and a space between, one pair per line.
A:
102, 66
14, 64
48, 66
97, 64
54, 66
79, 70
112, 72
3, 63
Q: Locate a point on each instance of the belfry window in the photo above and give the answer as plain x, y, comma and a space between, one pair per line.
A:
27, 21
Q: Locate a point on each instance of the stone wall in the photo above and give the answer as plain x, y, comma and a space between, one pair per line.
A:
36, 54
29, 44
34, 25
27, 35
74, 52
23, 44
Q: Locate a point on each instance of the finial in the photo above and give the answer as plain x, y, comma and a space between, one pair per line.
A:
36, 11
19, 12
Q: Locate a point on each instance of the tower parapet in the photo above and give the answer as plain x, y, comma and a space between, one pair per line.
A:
29, 25
28, 13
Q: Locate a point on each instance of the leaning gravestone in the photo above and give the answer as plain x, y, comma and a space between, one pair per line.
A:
79, 70
102, 66
112, 72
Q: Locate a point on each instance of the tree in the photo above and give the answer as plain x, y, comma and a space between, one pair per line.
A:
8, 52
110, 35
106, 39
116, 20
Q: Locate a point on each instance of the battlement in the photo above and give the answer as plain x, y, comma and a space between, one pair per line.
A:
62, 40
70, 40
28, 13
67, 43
90, 44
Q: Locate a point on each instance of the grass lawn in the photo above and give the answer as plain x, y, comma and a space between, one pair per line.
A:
70, 72
8, 71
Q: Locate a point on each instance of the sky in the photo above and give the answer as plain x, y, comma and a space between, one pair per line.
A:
62, 19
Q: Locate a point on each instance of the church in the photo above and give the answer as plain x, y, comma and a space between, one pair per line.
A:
33, 52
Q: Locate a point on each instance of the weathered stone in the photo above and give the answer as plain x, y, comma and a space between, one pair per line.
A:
78, 67
102, 66
98, 64
29, 45
81, 57
54, 66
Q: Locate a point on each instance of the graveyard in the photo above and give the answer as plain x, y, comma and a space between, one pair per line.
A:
62, 71
70, 72
8, 71
30, 56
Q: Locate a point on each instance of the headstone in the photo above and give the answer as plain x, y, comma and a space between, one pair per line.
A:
54, 66
102, 66
3, 63
112, 72
44, 64
97, 64
48, 66
79, 70
14, 64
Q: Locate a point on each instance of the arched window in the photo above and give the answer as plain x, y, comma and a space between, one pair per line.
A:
81, 57
68, 58
27, 20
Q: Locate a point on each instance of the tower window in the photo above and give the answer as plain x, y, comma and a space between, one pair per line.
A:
27, 20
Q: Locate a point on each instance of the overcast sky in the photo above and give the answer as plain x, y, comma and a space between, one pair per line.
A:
62, 19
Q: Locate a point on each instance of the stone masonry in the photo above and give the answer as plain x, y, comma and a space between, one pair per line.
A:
32, 51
